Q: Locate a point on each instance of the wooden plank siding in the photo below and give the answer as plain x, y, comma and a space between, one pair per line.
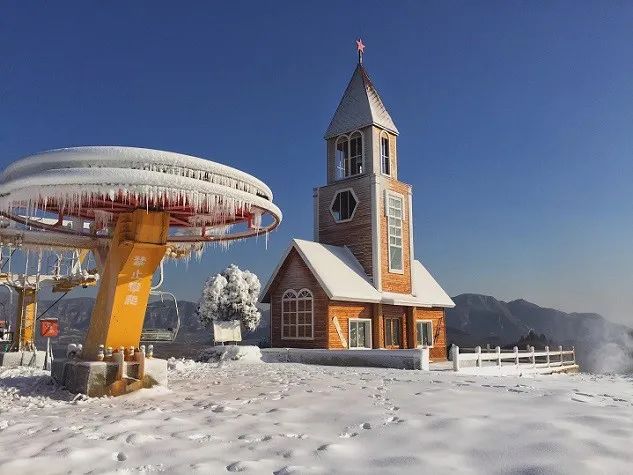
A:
377, 133
436, 315
294, 274
356, 233
395, 282
378, 326
343, 311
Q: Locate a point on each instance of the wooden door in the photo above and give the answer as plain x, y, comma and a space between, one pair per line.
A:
393, 333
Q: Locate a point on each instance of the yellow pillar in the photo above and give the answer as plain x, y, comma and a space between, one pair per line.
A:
136, 249
25, 320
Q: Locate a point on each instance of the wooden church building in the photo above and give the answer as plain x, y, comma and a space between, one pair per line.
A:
358, 285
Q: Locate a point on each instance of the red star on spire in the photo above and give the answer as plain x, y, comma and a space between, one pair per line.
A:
361, 49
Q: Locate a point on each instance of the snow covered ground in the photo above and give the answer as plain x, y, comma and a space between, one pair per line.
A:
289, 418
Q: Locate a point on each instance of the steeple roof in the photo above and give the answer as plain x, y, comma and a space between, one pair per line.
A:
360, 106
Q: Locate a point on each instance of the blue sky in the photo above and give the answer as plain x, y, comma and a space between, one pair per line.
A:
515, 120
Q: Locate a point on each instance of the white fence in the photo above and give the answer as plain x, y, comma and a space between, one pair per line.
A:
514, 361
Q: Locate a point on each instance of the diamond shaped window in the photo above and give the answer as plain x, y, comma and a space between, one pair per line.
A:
343, 205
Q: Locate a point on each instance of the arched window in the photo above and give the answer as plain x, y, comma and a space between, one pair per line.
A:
349, 155
297, 315
342, 155
385, 163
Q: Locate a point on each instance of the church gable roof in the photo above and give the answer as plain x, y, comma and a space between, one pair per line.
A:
360, 106
341, 276
336, 269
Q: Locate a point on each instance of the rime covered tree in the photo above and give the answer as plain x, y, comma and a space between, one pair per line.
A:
231, 295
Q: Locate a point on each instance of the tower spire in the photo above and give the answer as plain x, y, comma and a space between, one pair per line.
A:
361, 49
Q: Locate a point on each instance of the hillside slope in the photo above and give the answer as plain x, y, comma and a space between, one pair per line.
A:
481, 319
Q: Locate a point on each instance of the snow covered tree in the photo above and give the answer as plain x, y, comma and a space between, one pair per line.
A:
231, 295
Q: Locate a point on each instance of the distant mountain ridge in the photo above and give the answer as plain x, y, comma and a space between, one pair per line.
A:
481, 319
476, 320
74, 317
485, 319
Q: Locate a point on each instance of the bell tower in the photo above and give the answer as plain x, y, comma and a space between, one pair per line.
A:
363, 205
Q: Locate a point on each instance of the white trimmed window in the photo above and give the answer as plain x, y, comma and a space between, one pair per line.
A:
297, 315
385, 163
359, 333
349, 155
395, 215
424, 333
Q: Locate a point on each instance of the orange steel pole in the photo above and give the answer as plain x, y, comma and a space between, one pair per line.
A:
137, 247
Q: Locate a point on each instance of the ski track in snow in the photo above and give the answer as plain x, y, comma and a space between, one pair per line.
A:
282, 418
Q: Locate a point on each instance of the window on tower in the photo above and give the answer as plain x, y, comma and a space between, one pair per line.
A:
395, 217
349, 155
355, 154
344, 205
342, 156
385, 163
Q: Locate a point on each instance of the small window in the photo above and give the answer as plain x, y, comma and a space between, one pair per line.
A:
349, 155
392, 332
344, 205
356, 154
342, 156
385, 163
297, 315
424, 333
394, 219
359, 333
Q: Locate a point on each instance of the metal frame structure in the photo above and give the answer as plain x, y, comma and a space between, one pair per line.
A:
131, 207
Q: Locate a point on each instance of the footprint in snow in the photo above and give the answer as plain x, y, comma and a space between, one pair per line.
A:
242, 466
580, 398
328, 447
254, 438
295, 436
297, 469
393, 420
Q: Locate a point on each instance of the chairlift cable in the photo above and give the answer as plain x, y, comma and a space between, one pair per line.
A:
8, 258
52, 305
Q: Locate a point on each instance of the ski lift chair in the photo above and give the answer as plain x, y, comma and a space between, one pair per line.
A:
6, 336
162, 335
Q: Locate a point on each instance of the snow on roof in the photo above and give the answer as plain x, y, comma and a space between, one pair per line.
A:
360, 106
342, 278
426, 288
336, 269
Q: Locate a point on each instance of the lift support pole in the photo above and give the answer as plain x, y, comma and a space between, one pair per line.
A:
137, 247
25, 320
